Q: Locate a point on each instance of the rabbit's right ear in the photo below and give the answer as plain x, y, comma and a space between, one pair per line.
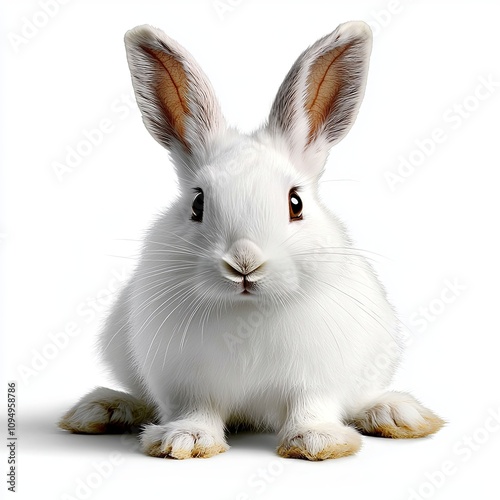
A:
177, 102
319, 99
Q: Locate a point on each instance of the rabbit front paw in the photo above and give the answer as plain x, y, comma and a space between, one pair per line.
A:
332, 441
183, 439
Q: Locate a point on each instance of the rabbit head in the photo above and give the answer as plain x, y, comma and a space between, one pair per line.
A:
249, 210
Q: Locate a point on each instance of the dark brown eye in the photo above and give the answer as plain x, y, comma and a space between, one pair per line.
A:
197, 207
295, 205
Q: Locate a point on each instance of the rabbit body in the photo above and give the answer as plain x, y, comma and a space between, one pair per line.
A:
249, 304
250, 356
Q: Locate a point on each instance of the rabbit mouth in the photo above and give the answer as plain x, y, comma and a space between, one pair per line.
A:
247, 286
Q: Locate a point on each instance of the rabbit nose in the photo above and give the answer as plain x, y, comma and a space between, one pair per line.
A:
243, 260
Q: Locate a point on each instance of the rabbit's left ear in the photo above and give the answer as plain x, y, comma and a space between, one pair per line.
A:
319, 99
178, 104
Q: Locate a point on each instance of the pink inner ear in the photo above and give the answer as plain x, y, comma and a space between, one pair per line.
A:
171, 87
324, 82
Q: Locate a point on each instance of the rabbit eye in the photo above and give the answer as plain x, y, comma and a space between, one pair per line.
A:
295, 205
197, 207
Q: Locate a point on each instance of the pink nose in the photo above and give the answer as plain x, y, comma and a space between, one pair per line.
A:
243, 259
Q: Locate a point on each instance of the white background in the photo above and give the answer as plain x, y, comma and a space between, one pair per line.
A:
65, 240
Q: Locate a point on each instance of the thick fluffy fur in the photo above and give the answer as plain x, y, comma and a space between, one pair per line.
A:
310, 350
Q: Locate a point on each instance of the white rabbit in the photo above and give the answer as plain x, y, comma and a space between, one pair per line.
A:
249, 305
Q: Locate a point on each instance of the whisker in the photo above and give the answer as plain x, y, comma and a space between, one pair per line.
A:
183, 298
360, 305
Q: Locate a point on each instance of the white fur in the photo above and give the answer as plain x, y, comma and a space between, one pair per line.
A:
181, 336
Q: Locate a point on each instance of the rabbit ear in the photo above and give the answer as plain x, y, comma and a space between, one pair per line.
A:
319, 99
176, 99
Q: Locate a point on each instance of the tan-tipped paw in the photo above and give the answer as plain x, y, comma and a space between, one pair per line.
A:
315, 445
105, 410
398, 415
181, 443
